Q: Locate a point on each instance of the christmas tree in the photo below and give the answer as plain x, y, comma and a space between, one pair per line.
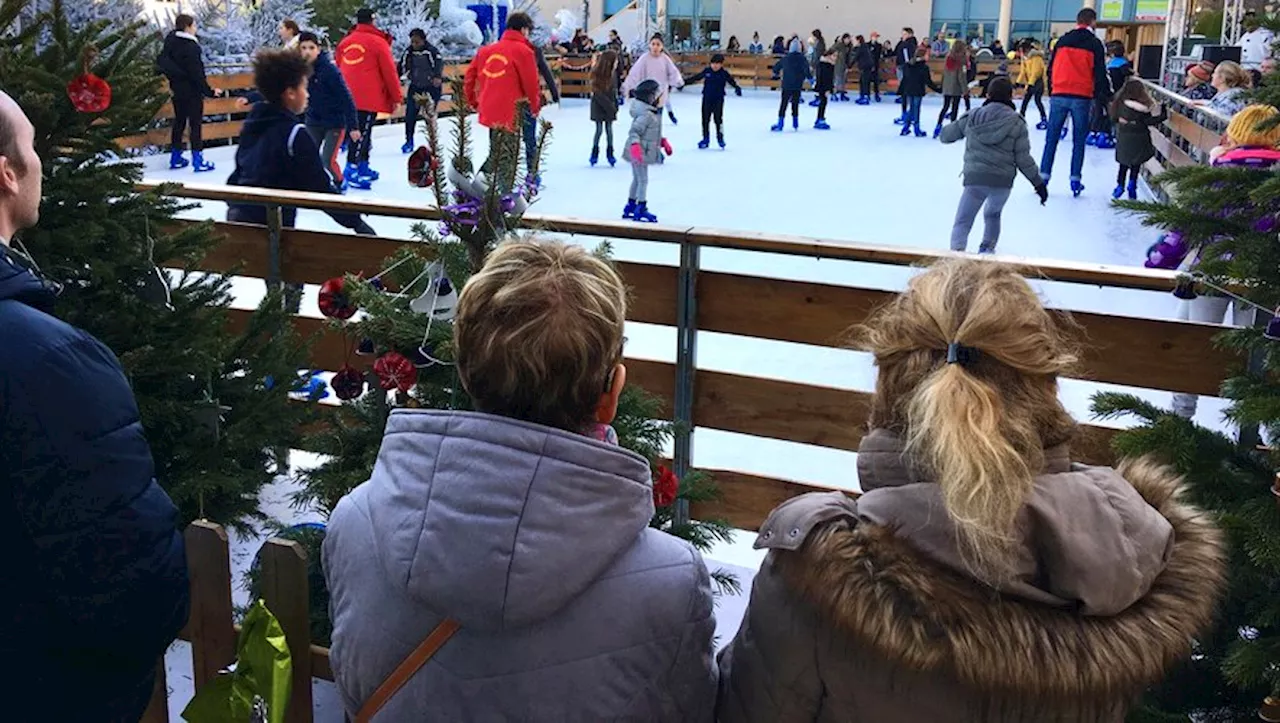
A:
263, 20
210, 412
1231, 216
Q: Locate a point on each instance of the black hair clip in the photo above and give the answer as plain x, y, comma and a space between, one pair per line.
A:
958, 353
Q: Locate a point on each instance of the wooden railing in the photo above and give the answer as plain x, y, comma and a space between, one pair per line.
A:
1189, 134
1149, 353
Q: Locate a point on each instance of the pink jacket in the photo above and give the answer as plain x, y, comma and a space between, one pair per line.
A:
660, 69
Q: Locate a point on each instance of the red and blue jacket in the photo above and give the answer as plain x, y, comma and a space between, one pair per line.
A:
1078, 67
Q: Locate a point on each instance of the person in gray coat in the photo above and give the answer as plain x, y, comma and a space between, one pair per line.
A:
522, 524
997, 147
645, 146
843, 53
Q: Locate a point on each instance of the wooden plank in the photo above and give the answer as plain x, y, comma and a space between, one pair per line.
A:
210, 627
158, 707
160, 136
320, 666
1149, 353
212, 106
1197, 135
285, 591
747, 499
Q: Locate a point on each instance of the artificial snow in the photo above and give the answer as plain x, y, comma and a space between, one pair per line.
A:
858, 182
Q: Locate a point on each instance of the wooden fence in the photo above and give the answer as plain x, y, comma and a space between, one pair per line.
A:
1188, 135
1174, 356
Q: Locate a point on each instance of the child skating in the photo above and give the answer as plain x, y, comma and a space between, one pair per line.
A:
604, 105
824, 84
1031, 75
714, 78
916, 81
793, 68
1135, 113
657, 66
645, 146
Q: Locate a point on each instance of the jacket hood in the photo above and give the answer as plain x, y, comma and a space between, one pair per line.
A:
265, 116
994, 122
20, 282
499, 523
1125, 575
639, 108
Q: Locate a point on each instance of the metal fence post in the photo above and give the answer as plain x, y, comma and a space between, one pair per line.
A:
274, 275
686, 365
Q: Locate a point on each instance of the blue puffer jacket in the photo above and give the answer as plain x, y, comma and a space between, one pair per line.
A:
95, 572
331, 105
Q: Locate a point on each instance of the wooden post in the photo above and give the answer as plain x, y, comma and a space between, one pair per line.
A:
158, 709
285, 591
211, 625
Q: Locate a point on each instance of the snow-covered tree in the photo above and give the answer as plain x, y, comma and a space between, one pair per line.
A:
454, 29
398, 17
264, 19
542, 28
79, 14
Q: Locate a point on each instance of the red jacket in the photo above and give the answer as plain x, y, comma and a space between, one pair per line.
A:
1078, 67
364, 57
500, 75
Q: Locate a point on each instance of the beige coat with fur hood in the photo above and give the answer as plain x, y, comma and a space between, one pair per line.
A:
865, 612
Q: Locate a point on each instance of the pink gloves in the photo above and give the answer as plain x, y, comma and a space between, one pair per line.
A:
666, 146
637, 155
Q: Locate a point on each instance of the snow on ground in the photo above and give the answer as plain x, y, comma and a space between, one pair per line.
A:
859, 182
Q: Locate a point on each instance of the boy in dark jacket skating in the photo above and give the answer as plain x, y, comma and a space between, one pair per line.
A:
331, 112
181, 63
714, 78
645, 146
423, 67
916, 81
794, 71
275, 150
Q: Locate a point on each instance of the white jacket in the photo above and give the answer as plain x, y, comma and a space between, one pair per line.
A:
1255, 46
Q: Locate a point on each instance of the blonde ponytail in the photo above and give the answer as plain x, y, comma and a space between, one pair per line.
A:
979, 425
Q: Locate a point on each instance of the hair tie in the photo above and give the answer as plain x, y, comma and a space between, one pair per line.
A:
958, 353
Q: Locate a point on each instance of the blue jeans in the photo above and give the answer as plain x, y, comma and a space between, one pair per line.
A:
1059, 108
913, 110
530, 131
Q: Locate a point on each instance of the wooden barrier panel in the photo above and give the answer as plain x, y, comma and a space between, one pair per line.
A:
1195, 134
286, 592
158, 707
210, 625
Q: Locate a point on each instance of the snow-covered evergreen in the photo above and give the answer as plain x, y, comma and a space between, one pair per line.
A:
224, 33
264, 18
80, 13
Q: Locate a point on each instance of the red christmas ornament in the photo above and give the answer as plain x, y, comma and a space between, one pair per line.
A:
422, 168
395, 371
334, 302
89, 93
348, 383
665, 487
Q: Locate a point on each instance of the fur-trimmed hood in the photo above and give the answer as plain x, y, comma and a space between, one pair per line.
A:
1114, 577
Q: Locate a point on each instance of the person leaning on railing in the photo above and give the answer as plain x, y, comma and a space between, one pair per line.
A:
519, 534
1232, 83
982, 576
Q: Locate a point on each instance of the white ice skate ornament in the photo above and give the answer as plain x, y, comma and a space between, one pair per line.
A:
440, 297
467, 186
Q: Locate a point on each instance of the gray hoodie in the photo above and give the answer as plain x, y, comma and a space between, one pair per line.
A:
997, 146
537, 542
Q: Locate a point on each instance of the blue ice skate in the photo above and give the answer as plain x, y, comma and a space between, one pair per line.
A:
1077, 187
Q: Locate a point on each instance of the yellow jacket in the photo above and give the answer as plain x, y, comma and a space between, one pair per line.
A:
1033, 69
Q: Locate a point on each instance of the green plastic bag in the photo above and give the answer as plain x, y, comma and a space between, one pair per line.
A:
262, 676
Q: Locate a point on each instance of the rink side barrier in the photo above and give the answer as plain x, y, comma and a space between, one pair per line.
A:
1148, 353
1185, 139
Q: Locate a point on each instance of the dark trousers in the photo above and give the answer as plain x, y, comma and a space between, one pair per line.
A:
950, 104
712, 108
1130, 171
1036, 93
412, 110
529, 131
822, 105
791, 97
358, 151
865, 77
187, 112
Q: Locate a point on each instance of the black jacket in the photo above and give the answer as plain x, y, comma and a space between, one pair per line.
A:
867, 56
180, 61
424, 67
825, 81
276, 151
916, 79
95, 578
331, 105
548, 77
794, 69
713, 82
905, 50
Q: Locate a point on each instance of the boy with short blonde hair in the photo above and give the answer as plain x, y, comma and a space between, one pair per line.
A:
521, 527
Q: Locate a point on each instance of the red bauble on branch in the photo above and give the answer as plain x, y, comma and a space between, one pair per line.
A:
334, 302
665, 487
395, 371
348, 383
89, 93
422, 168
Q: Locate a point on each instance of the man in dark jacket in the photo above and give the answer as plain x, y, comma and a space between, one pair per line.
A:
181, 63
866, 57
423, 67
794, 71
275, 150
903, 53
95, 583
1077, 75
331, 112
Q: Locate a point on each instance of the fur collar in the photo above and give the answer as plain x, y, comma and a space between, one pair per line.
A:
917, 614
187, 36
1140, 107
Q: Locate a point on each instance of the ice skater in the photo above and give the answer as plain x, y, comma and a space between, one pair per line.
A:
793, 68
955, 83
604, 105
1077, 74
422, 67
1133, 113
916, 82
657, 66
714, 78
645, 146
1031, 75
824, 84
997, 147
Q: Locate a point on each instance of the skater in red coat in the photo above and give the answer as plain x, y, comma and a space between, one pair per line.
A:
502, 75
365, 59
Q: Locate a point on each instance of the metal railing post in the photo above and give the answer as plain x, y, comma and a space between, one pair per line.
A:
686, 365
274, 275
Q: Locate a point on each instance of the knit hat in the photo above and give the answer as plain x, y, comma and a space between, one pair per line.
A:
1245, 130
795, 46
647, 91
1202, 70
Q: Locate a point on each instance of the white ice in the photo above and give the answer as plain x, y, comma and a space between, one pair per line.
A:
859, 182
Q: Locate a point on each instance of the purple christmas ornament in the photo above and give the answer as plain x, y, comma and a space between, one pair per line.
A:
1273, 327
1266, 224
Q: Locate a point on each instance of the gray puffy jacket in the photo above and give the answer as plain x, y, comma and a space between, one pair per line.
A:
536, 541
646, 129
996, 147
